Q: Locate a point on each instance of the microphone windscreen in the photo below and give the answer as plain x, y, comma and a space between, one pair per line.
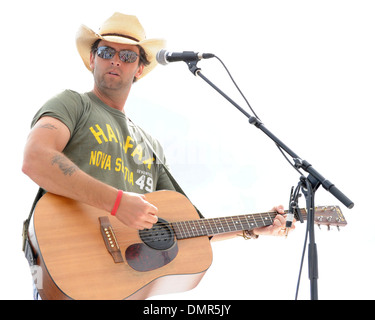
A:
161, 57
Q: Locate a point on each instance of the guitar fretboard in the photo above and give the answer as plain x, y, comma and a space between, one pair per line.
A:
210, 227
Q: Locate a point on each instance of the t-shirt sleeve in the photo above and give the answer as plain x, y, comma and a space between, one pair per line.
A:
66, 107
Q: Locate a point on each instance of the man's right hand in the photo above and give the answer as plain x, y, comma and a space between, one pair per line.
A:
135, 212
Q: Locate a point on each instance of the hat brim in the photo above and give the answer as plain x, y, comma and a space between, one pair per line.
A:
86, 37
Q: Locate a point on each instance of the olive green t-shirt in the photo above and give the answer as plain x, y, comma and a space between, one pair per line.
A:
105, 144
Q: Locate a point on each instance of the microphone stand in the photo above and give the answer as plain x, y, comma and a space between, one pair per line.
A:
309, 185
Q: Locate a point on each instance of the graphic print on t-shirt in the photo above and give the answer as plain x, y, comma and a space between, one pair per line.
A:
134, 161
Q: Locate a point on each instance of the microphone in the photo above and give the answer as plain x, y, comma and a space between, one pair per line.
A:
164, 57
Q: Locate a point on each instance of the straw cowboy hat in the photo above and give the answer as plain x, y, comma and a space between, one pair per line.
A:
120, 28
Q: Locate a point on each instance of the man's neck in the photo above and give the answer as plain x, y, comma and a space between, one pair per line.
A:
111, 100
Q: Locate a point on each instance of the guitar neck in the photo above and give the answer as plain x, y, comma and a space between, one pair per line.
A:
215, 226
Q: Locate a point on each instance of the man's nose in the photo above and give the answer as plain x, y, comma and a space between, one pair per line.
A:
116, 60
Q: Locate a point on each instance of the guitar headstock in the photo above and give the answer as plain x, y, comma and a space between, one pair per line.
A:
329, 216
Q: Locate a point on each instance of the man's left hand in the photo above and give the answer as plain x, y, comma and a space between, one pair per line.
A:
278, 228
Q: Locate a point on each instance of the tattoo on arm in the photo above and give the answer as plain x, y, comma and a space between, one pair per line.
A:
48, 126
65, 166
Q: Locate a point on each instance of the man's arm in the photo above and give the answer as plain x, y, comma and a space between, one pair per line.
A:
276, 229
47, 166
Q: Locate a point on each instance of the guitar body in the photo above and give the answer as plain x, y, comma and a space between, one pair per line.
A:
75, 262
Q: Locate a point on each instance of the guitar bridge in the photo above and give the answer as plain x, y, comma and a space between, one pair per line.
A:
110, 240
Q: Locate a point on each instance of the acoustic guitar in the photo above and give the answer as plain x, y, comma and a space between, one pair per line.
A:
84, 253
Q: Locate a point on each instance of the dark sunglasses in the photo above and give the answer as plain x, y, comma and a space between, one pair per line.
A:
127, 56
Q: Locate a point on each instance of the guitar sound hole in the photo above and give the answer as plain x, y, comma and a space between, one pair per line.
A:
159, 237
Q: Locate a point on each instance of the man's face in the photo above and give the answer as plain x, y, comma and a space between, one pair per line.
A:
114, 74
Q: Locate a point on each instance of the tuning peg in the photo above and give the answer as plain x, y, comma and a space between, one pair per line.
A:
328, 227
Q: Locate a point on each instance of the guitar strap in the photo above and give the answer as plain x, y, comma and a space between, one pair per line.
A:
26, 247
166, 170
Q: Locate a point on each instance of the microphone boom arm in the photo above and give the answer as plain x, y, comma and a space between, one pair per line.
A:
299, 163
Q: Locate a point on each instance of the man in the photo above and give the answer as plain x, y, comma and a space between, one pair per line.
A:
82, 146
47, 160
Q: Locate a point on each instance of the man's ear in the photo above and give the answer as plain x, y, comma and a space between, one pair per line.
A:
140, 71
92, 61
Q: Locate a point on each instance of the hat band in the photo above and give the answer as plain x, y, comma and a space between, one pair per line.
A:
119, 35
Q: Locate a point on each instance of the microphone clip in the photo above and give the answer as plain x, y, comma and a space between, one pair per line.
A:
293, 203
192, 65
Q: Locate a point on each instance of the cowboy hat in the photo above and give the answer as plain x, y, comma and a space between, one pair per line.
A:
119, 28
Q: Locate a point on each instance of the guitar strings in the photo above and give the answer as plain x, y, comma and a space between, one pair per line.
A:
256, 217
190, 227
192, 232
204, 225
227, 220
231, 221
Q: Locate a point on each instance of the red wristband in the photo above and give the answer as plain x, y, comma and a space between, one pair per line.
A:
117, 202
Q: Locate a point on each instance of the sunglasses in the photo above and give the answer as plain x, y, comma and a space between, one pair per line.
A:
107, 53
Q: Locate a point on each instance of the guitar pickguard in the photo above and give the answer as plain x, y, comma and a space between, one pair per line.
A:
159, 248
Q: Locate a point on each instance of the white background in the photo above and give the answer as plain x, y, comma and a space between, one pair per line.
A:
306, 67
